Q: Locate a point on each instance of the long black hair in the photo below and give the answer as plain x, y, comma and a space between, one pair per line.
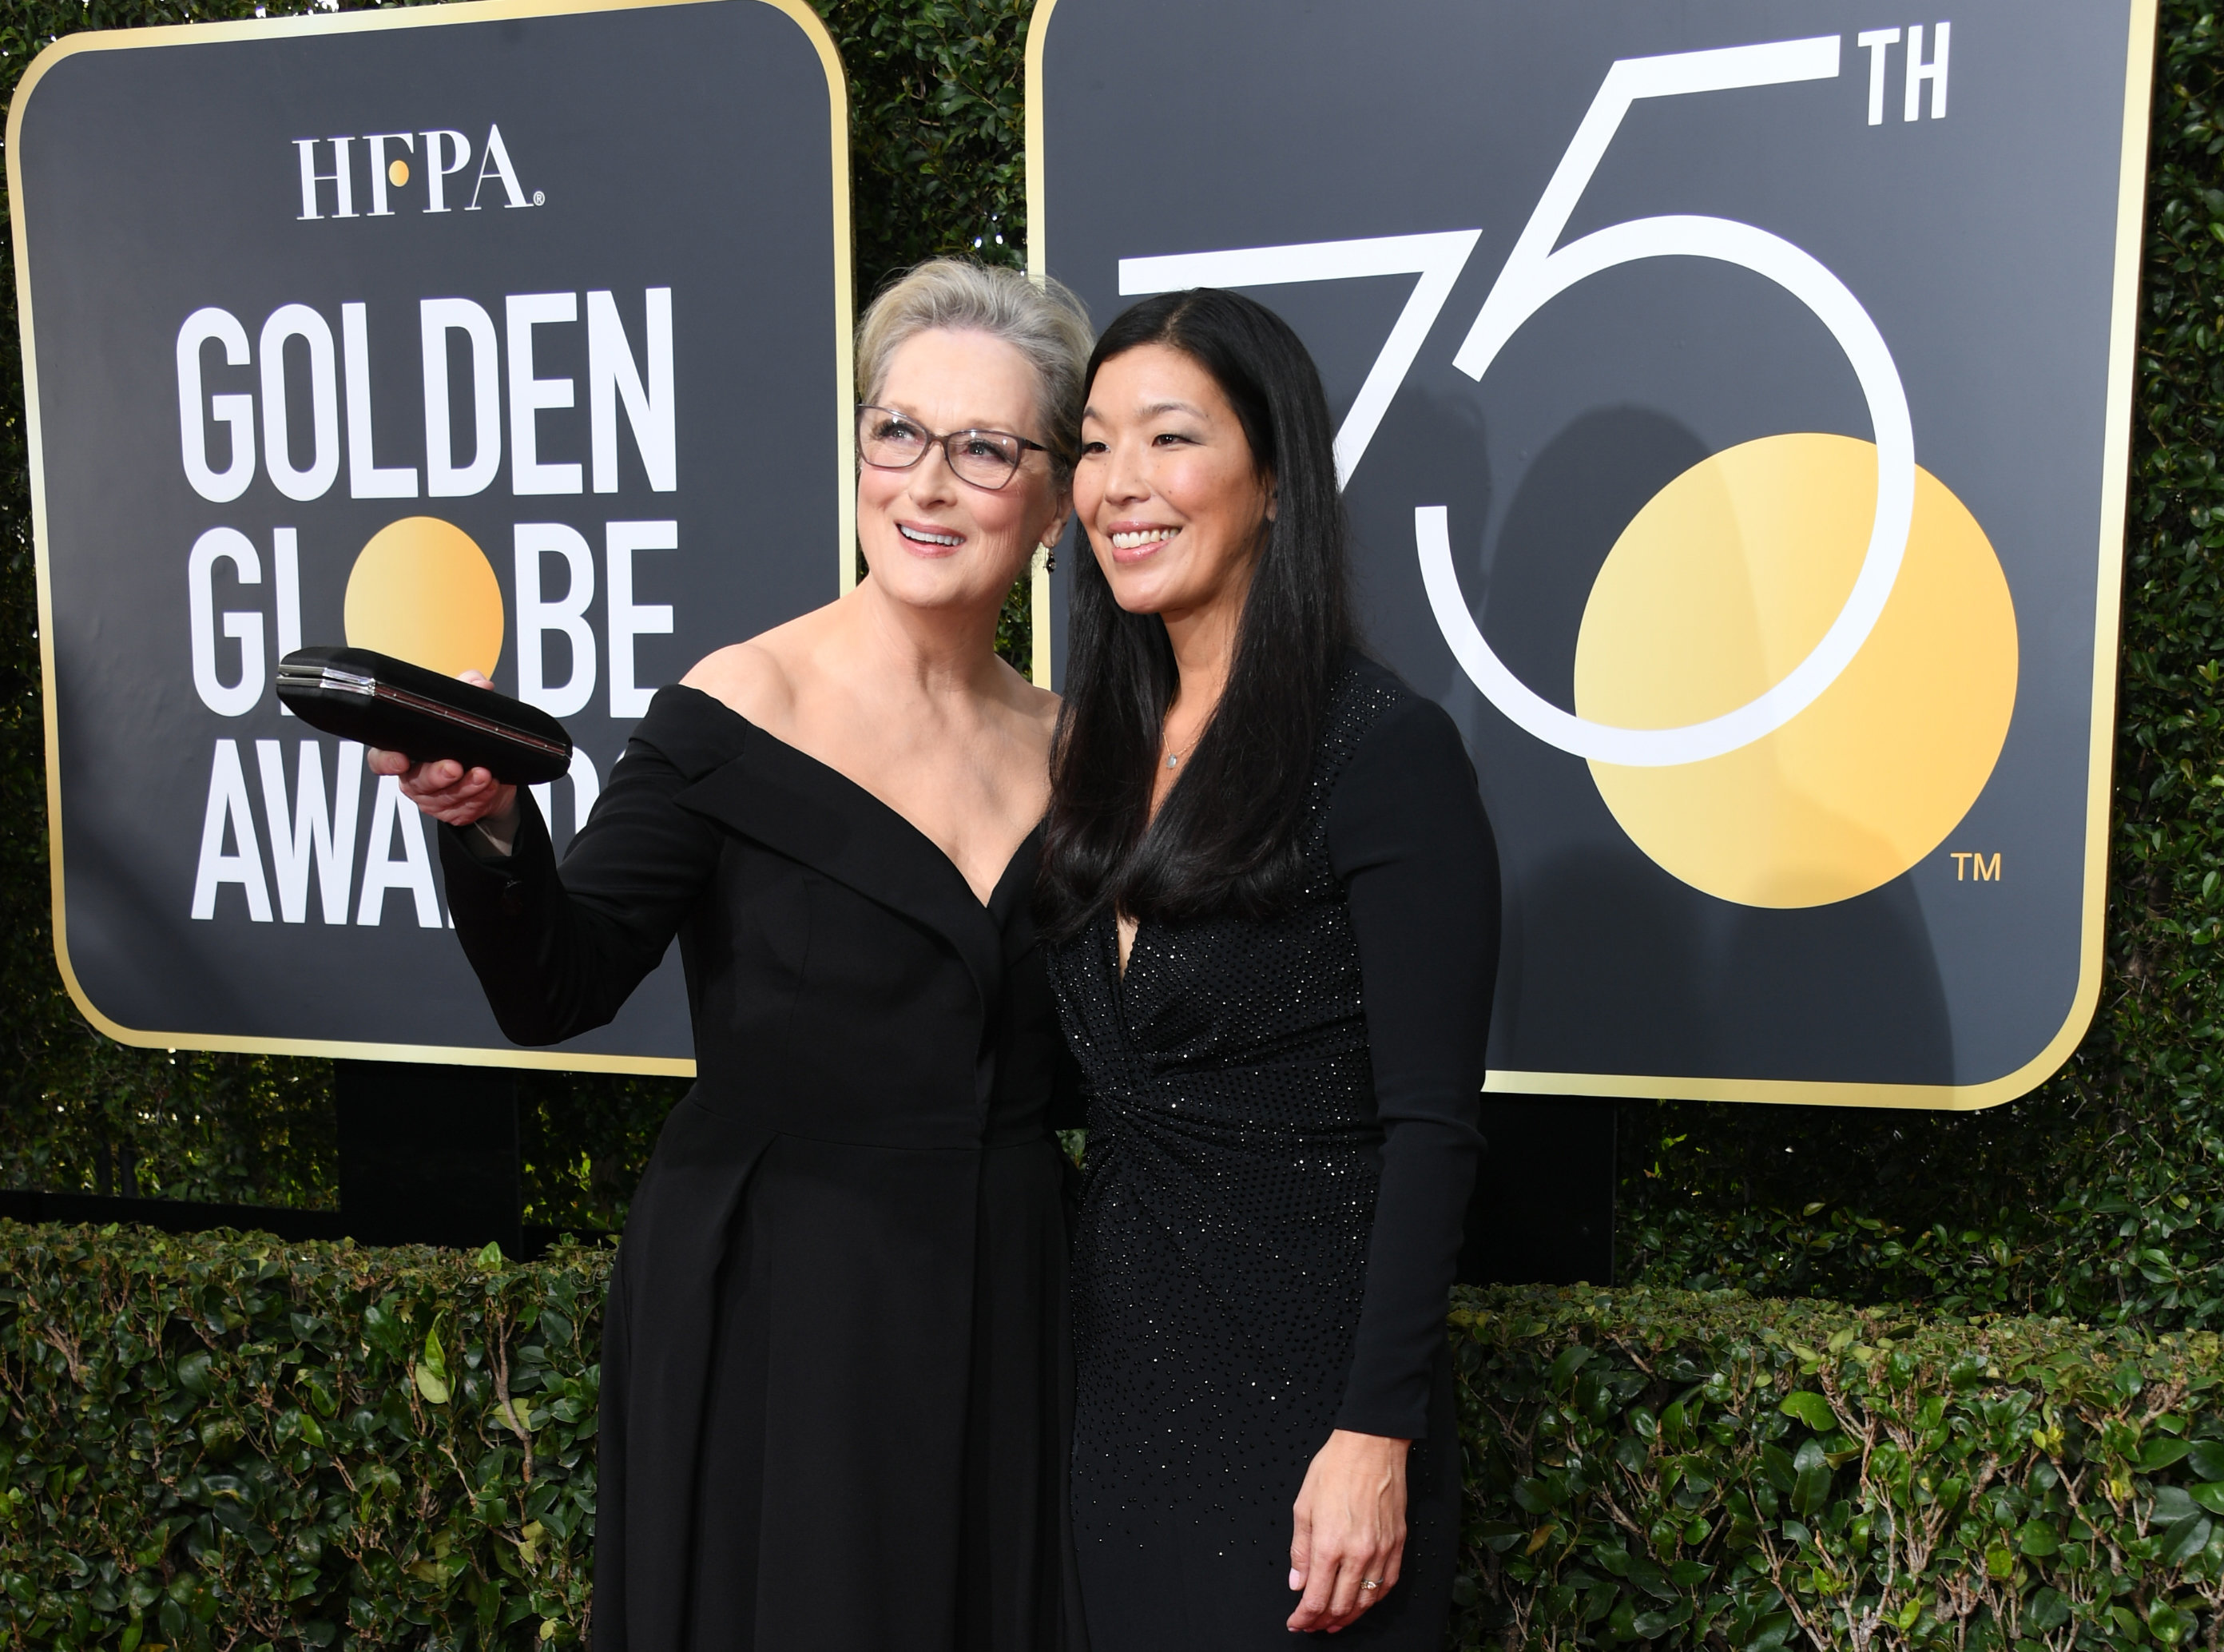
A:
1226, 839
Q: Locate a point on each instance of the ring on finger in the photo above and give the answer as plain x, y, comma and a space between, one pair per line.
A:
1370, 1583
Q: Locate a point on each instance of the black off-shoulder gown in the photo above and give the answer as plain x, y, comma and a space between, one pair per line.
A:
1282, 1138
833, 1377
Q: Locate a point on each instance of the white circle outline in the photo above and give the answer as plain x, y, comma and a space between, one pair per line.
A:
1806, 279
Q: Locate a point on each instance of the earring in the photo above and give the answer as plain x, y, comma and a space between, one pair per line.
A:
1050, 559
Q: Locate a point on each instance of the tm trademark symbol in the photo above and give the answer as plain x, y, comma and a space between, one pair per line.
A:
540, 200
1970, 866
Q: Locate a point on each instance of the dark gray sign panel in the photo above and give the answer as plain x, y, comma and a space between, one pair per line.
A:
1735, 404
512, 336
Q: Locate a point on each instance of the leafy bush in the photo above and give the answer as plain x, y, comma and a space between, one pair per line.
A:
223, 1441
1709, 1470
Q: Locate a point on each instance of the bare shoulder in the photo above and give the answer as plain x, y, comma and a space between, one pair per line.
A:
752, 678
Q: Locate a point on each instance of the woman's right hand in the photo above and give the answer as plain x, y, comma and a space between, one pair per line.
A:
450, 793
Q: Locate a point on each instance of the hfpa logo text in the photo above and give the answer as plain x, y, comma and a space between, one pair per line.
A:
386, 161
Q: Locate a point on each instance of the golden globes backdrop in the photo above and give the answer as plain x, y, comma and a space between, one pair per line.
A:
1733, 401
509, 336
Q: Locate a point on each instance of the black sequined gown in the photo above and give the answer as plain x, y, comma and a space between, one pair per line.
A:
1282, 1138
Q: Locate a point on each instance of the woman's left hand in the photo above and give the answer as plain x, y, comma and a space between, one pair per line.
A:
1350, 1529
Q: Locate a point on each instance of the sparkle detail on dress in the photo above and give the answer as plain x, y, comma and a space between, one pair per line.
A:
1230, 1196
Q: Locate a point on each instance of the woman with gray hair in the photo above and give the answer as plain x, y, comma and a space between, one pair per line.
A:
834, 1381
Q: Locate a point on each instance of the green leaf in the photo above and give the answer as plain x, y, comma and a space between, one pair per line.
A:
192, 1375
2172, 1504
2182, 1541
2161, 1453
1812, 1487
1649, 1577
1809, 1408
1571, 1360
321, 1397
2038, 1540
490, 1256
2205, 1458
2209, 1494
384, 1332
2049, 1610
430, 1370
1776, 1469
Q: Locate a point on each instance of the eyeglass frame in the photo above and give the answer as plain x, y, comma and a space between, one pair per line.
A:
943, 441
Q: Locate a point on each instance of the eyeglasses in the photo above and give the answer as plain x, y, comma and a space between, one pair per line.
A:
889, 441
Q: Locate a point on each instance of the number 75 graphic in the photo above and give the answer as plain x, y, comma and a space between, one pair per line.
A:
1537, 271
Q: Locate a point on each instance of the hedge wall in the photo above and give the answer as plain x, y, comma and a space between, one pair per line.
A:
224, 1443
218, 1442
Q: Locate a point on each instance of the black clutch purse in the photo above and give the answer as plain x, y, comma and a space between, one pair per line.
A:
362, 695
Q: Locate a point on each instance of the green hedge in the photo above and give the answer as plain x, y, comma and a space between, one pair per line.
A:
1719, 1470
226, 1442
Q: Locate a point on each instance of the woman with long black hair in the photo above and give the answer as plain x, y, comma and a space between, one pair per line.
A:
1274, 899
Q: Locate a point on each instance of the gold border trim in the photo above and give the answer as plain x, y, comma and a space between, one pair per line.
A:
471, 11
2116, 481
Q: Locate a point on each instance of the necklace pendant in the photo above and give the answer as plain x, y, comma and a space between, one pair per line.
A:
1173, 762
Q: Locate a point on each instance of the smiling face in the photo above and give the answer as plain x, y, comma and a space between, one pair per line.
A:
931, 539
1173, 500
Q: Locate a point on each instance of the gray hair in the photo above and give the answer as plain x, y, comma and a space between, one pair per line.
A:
1044, 322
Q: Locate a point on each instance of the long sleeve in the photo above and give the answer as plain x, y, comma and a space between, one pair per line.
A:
1410, 842
558, 952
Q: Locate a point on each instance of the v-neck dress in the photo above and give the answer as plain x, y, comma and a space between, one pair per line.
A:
834, 1374
1283, 1121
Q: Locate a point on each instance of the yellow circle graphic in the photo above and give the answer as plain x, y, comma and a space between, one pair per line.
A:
423, 591
1720, 586
397, 173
